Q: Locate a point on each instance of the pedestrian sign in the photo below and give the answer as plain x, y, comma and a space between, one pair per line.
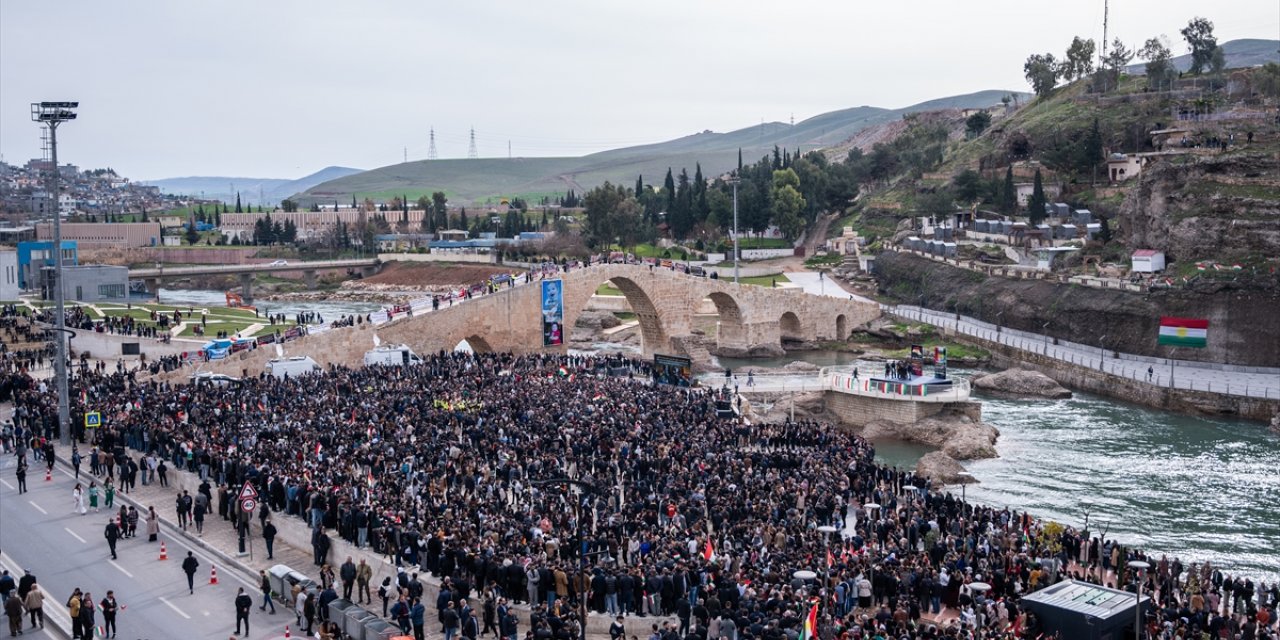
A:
247, 492
92, 420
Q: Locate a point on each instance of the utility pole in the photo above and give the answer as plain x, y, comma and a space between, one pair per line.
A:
734, 181
52, 114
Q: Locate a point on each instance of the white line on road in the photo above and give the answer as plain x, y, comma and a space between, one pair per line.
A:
73, 535
171, 606
41, 510
122, 569
6, 483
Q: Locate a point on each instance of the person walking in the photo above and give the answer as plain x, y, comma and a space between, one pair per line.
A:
1151, 372
348, 574
34, 603
364, 573
13, 609
109, 609
112, 534
201, 503
265, 584
78, 495
243, 604
76, 460
269, 536
93, 495
108, 494
22, 475
189, 566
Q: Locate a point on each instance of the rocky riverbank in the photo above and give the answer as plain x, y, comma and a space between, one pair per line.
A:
954, 433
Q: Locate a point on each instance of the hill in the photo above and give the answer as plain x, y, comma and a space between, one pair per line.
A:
531, 178
1243, 53
252, 190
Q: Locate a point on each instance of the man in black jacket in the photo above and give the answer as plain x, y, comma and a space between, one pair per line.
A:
112, 534
243, 604
189, 566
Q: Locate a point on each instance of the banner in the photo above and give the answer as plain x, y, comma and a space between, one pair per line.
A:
552, 312
673, 370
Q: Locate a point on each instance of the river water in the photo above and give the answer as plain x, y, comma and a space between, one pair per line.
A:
1194, 487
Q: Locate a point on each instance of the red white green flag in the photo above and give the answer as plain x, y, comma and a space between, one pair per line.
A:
810, 630
1184, 332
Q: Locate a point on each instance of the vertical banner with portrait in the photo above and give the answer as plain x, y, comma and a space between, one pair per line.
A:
552, 312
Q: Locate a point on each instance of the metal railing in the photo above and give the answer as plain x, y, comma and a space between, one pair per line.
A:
842, 380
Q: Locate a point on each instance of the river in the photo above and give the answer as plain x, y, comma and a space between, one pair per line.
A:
1194, 487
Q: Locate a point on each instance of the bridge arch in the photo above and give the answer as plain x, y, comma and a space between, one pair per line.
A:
790, 327
653, 333
842, 328
730, 330
477, 343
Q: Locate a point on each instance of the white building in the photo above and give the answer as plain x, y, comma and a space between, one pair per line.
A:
9, 275
1147, 261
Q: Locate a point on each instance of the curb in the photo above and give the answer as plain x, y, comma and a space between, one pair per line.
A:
57, 627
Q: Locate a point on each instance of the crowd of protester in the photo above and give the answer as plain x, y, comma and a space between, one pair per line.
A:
456, 468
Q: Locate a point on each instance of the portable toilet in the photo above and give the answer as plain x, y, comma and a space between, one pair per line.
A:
949, 249
948, 233
982, 225
1067, 231
1061, 209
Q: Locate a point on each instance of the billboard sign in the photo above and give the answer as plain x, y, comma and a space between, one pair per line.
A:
552, 312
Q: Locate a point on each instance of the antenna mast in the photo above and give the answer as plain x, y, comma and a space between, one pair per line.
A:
431, 150
471, 151
1103, 51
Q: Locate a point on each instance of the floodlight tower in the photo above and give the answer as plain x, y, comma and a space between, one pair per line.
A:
52, 114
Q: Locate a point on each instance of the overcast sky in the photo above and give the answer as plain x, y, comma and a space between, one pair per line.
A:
283, 88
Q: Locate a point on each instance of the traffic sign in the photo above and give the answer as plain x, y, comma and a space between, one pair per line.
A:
248, 505
92, 420
247, 491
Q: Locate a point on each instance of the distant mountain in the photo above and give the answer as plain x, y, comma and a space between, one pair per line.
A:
1247, 52
252, 190
478, 180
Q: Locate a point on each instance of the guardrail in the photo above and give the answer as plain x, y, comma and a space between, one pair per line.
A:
842, 380
1174, 374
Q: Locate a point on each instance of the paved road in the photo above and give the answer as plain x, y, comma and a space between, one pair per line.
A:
1256, 382
822, 286
65, 550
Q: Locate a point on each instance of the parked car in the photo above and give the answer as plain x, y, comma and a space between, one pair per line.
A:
279, 263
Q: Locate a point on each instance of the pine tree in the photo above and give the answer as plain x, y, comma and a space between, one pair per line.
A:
669, 184
739, 172
1009, 194
639, 186
239, 209
1035, 205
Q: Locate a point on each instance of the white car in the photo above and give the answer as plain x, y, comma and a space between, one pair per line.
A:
279, 263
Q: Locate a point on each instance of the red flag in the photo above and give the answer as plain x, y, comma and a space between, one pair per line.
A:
319, 448
709, 552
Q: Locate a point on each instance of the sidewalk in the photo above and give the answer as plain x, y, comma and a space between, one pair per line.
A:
1252, 382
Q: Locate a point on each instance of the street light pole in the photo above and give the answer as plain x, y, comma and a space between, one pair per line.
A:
1139, 567
734, 181
52, 114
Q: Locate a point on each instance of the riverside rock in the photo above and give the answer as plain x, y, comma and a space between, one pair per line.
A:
1021, 383
958, 435
940, 467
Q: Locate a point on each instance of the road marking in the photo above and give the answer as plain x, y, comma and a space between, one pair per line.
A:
6, 483
171, 606
41, 510
122, 569
73, 534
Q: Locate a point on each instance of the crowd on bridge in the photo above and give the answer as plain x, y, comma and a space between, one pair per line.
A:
483, 471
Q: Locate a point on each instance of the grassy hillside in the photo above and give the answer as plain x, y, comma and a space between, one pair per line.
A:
478, 180
1243, 53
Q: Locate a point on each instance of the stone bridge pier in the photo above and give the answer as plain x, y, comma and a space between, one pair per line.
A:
246, 287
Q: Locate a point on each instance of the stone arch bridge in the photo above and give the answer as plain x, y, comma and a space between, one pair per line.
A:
751, 318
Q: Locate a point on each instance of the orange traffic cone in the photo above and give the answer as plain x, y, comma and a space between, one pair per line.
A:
213, 575
286, 631
48, 475
164, 555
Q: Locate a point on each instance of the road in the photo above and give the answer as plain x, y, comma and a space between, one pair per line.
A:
39, 530
1255, 382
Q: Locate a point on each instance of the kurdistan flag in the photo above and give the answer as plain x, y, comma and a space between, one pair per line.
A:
1183, 332
810, 630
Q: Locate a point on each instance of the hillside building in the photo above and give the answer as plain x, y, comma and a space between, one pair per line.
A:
105, 234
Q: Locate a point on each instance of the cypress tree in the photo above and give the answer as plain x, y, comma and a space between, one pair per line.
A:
1035, 206
1008, 195
639, 186
239, 209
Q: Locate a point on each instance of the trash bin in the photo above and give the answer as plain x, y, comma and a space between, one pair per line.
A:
377, 629
354, 620
338, 608
278, 577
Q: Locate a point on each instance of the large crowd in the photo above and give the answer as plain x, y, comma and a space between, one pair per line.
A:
457, 468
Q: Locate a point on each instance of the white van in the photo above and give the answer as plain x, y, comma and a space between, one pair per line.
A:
292, 367
392, 355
